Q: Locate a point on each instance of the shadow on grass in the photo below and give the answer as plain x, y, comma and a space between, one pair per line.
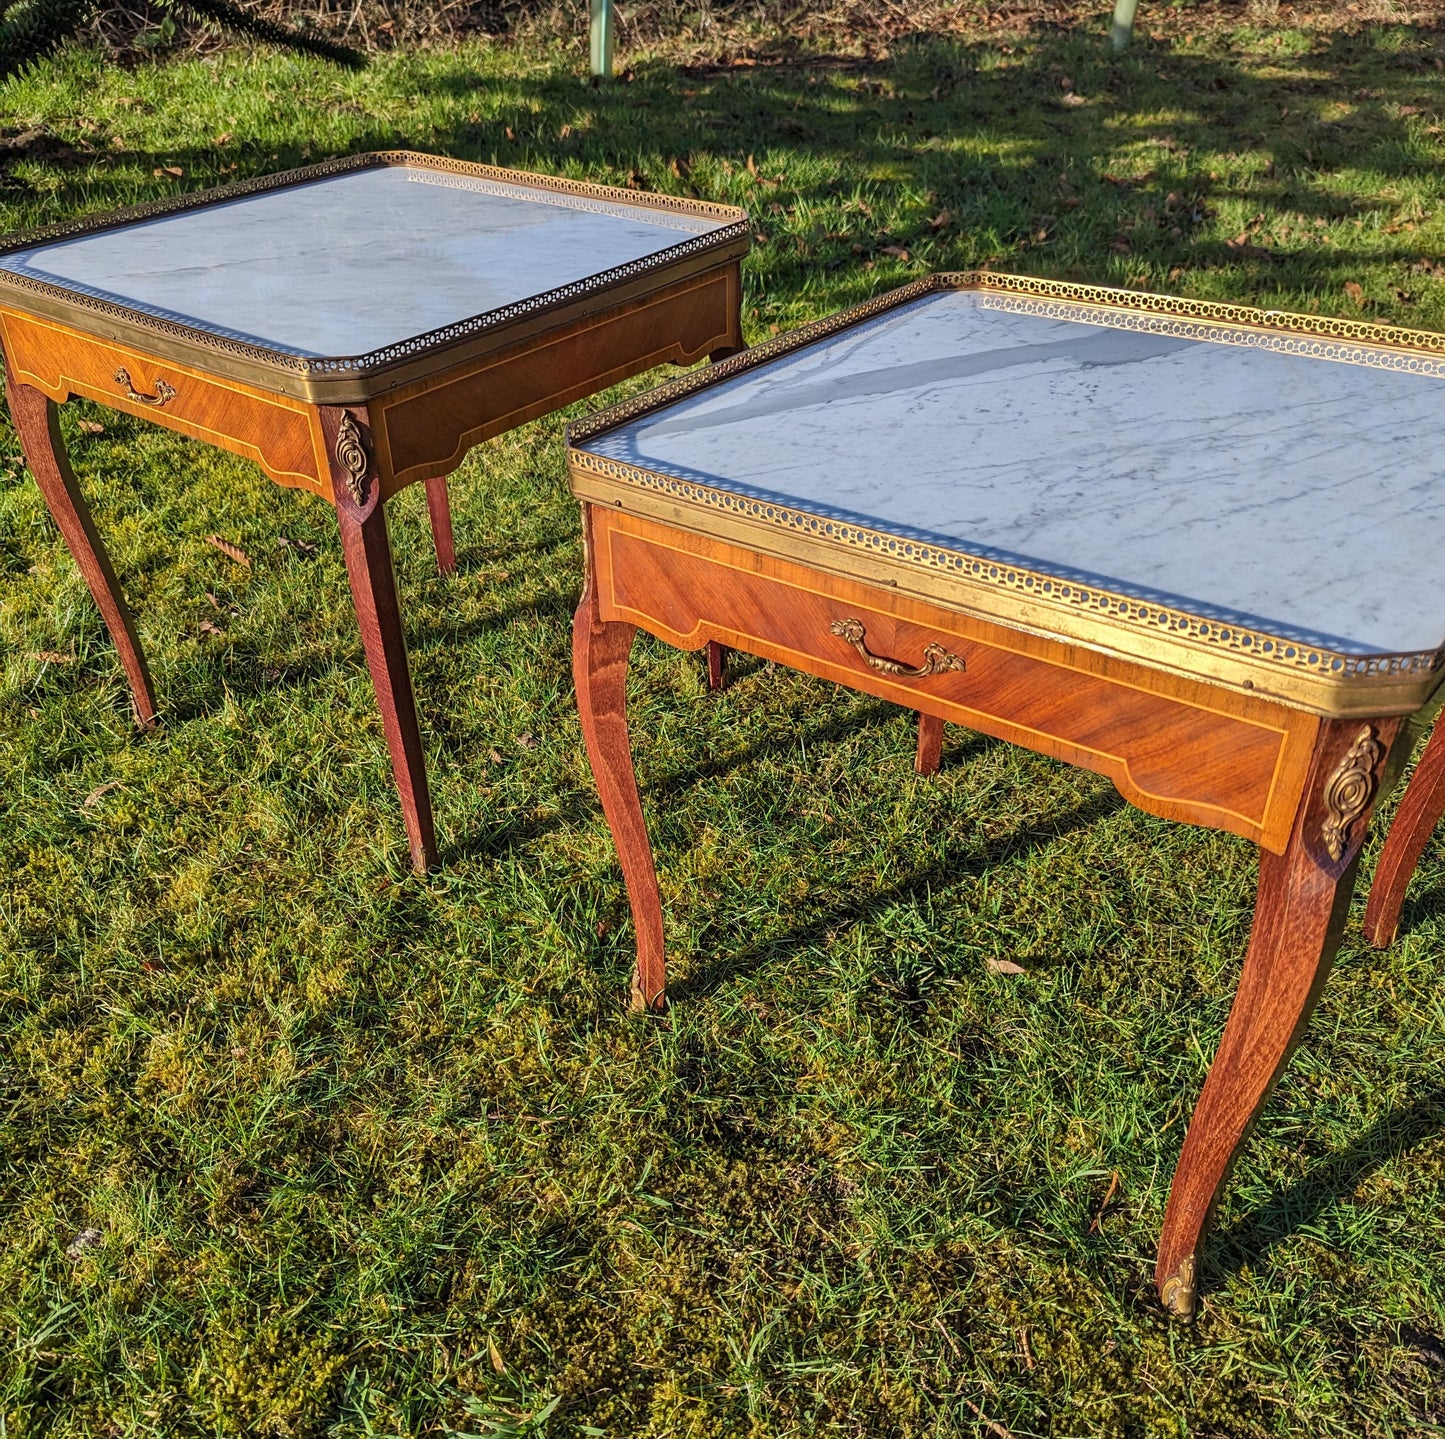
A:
1248, 1239
1004, 139
711, 975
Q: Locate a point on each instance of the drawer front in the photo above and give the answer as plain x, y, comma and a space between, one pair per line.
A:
426, 429
1174, 747
273, 430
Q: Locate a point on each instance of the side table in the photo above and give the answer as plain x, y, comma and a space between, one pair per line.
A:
1157, 538
354, 327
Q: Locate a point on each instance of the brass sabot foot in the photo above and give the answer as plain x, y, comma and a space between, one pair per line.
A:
1178, 1292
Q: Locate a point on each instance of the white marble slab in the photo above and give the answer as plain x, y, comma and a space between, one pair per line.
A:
1301, 496
352, 263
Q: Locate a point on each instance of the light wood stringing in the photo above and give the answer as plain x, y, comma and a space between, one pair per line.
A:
1174, 747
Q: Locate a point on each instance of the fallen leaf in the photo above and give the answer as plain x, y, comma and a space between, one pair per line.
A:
224, 138
52, 657
564, 132
496, 1357
942, 218
509, 133
169, 170
681, 168
897, 250
86, 1239
1176, 272
231, 551
207, 628
1072, 100
1004, 966
1354, 292
752, 167
90, 427
526, 741
93, 798
494, 757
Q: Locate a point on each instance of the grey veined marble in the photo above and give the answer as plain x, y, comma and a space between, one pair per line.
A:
349, 264
1299, 495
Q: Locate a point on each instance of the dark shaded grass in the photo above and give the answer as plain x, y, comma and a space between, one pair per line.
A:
375, 1156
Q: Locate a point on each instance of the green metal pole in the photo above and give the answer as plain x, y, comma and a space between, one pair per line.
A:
603, 31
1122, 30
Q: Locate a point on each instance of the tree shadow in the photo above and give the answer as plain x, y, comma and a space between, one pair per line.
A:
1009, 141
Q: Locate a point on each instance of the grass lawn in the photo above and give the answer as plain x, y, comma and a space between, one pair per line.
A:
373, 1156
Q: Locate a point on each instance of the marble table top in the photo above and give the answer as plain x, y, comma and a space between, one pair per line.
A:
351, 263
1228, 477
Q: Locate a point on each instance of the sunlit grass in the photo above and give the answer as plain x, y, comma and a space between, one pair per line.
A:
369, 1156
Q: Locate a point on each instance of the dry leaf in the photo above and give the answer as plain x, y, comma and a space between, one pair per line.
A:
942, 218
1072, 100
526, 741
169, 170
681, 168
207, 628
86, 1239
496, 1357
234, 552
897, 250
494, 757
93, 798
1354, 292
52, 657
564, 132
224, 138
90, 427
1005, 966
508, 132
752, 167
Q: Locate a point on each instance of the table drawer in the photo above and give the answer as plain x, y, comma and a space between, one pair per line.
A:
1172, 746
273, 430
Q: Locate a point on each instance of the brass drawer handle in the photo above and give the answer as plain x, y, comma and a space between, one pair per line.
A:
936, 659
164, 392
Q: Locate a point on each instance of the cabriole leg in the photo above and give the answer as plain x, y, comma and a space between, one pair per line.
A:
439, 507
366, 544
600, 651
1303, 896
37, 422
1420, 810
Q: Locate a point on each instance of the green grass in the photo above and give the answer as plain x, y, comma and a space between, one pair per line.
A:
372, 1156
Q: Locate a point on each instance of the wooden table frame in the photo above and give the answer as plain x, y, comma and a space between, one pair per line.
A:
695, 566
354, 433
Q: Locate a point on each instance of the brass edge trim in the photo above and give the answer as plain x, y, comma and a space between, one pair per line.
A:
361, 387
1060, 610
63, 301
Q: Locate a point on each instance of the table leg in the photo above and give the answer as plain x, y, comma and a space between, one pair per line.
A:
37, 422
717, 666
1420, 809
600, 650
929, 754
1303, 896
439, 507
366, 545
